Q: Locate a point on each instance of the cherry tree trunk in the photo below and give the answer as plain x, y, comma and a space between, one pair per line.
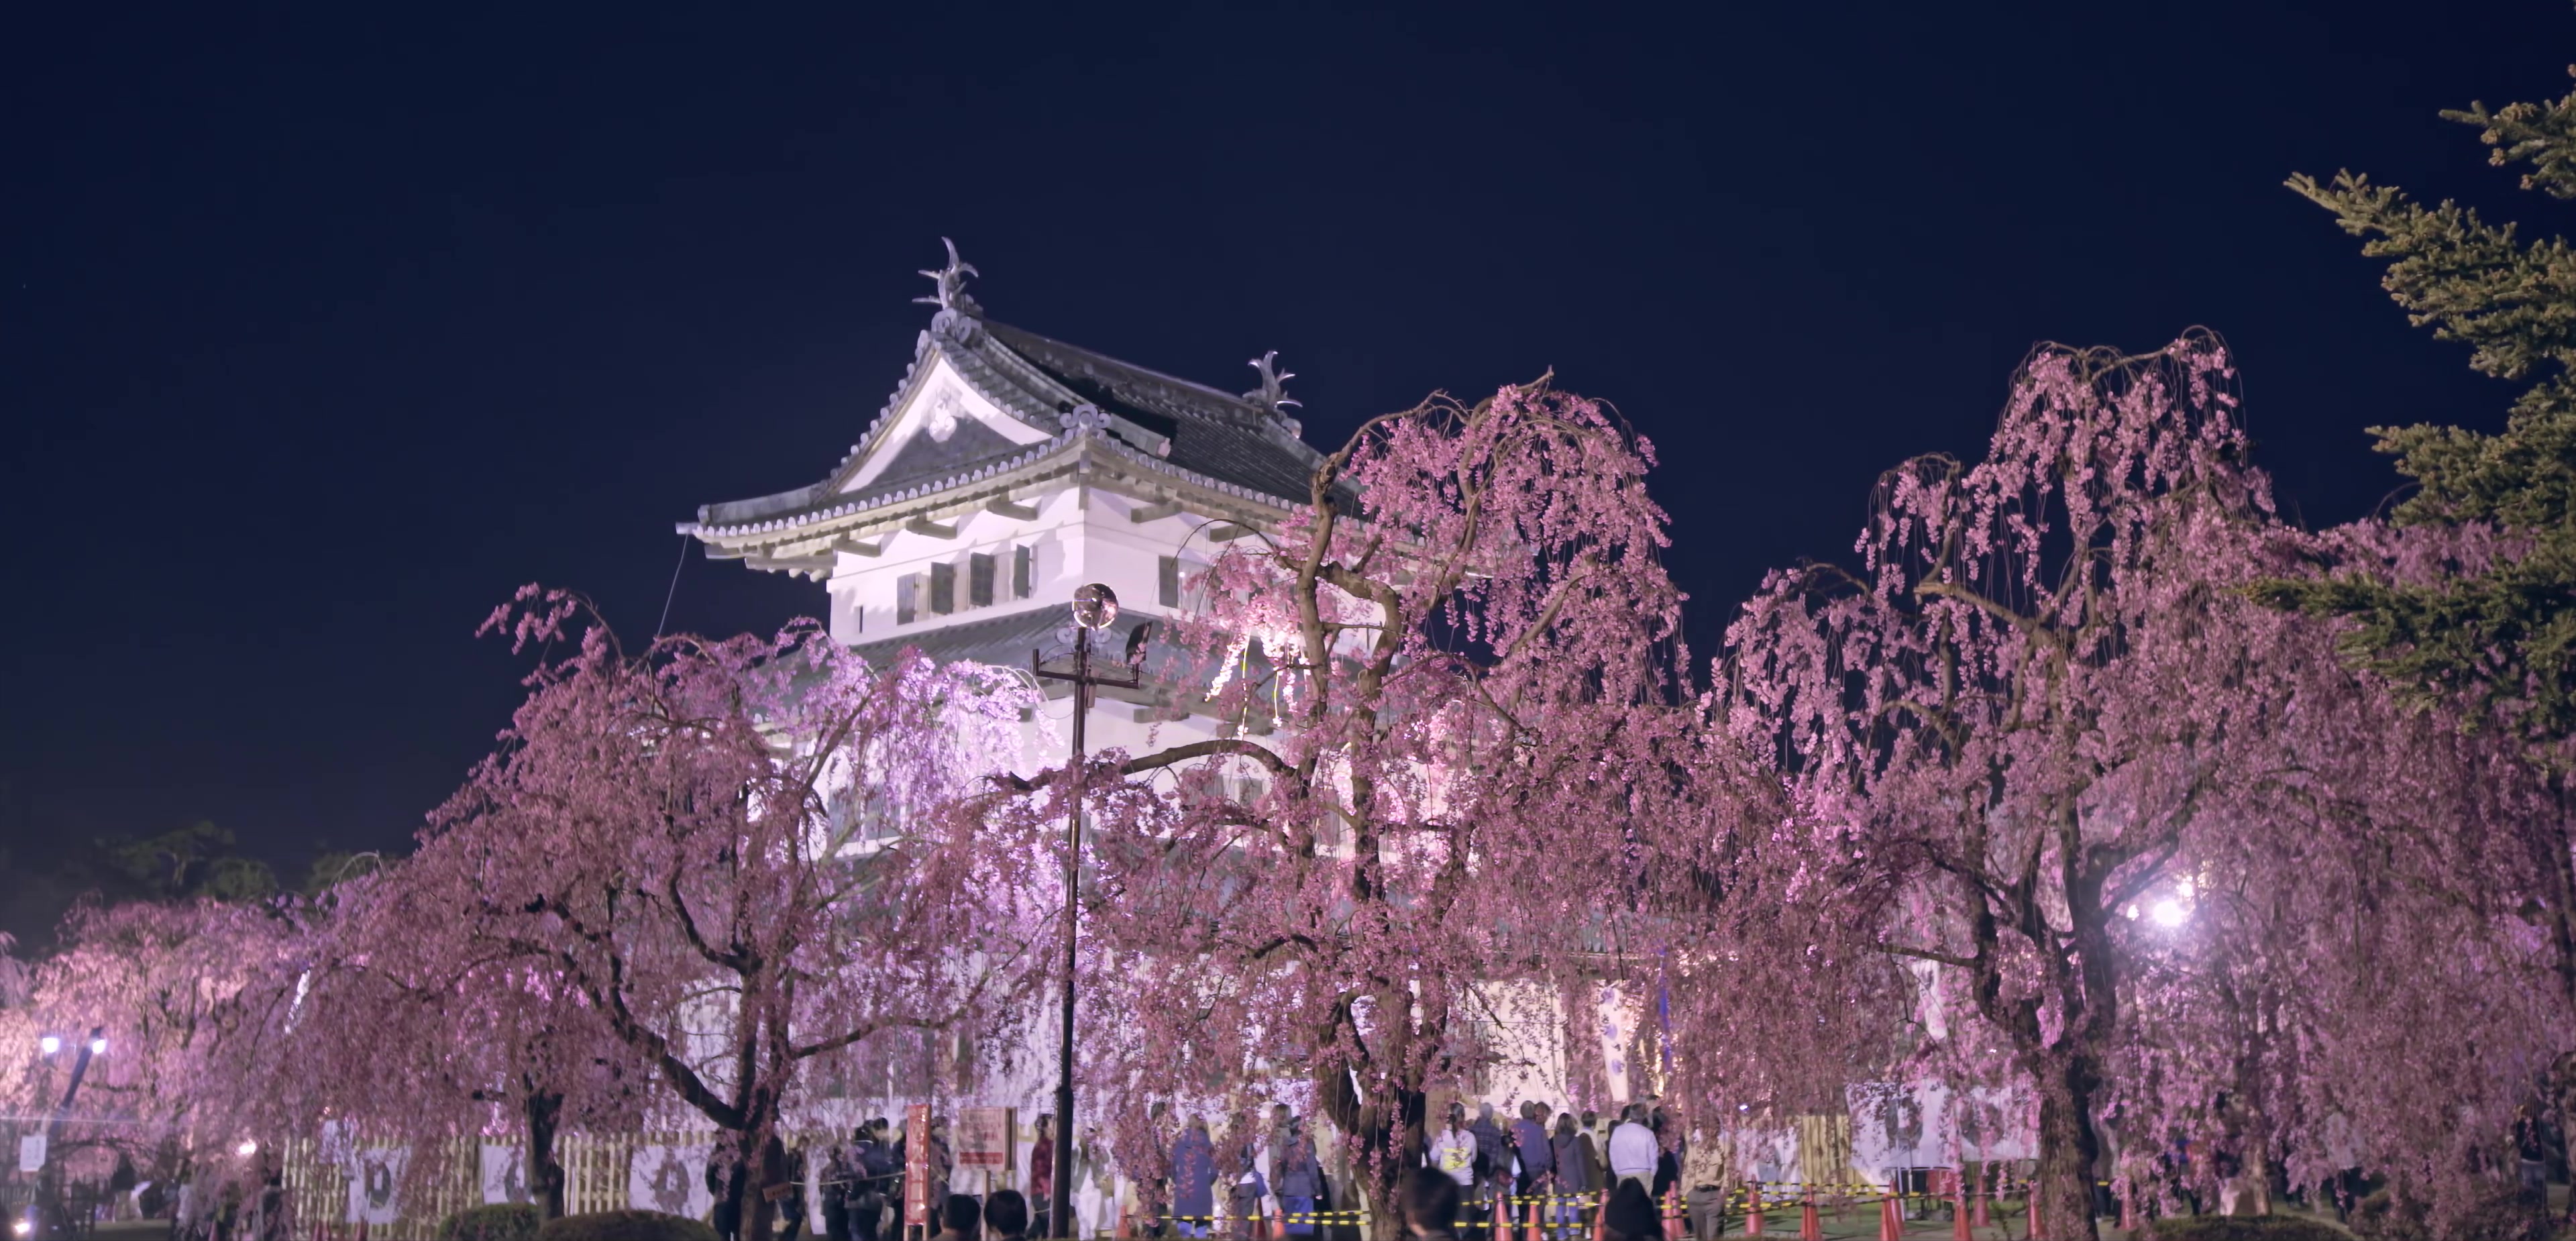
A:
2068, 1147
545, 1172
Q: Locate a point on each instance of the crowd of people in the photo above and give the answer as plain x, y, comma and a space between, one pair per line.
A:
1272, 1174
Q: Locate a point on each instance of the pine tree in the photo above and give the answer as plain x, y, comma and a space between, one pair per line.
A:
2492, 633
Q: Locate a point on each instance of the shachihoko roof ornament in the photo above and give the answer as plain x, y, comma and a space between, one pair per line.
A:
951, 281
1272, 395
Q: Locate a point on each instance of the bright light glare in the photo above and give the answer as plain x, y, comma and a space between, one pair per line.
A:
22, 1228
98, 1047
48, 1045
247, 1149
2170, 913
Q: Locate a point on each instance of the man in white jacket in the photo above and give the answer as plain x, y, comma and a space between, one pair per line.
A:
1633, 1149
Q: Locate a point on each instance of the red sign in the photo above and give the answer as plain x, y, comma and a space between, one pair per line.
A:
916, 1165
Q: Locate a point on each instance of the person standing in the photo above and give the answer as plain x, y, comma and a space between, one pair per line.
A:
1633, 1150
1453, 1150
1536, 1153
1299, 1184
1249, 1187
724, 1185
1588, 1144
880, 1180
1194, 1179
786, 1171
1041, 1175
1574, 1183
1704, 1186
1153, 1181
1493, 1165
839, 1176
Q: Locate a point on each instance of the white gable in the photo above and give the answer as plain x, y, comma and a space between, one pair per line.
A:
939, 404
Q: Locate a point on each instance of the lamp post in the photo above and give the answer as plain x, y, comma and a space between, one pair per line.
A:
1095, 607
49, 1180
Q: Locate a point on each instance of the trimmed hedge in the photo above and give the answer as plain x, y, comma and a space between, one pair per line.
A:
2501, 1217
625, 1226
2241, 1228
507, 1221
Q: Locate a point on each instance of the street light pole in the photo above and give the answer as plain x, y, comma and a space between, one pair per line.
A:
1095, 607
49, 1178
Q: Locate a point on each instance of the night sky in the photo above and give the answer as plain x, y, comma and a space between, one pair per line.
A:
320, 333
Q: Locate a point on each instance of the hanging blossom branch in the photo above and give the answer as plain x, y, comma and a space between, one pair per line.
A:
1459, 571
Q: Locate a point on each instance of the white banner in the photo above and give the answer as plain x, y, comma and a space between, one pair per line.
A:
505, 1175
375, 1185
31, 1153
670, 1179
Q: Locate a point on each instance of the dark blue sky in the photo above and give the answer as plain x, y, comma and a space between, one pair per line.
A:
321, 332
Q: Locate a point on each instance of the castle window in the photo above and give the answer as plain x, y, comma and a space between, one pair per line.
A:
1024, 571
979, 580
943, 588
1171, 581
907, 593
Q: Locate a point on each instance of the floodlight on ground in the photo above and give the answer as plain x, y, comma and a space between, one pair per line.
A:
49, 1044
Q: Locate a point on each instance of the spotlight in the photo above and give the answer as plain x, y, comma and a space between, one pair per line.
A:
98, 1047
48, 1045
22, 1228
247, 1149
2170, 913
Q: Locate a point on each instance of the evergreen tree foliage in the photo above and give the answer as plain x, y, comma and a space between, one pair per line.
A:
2497, 634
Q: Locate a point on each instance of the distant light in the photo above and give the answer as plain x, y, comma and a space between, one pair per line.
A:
247, 1149
98, 1047
22, 1228
2170, 913
48, 1045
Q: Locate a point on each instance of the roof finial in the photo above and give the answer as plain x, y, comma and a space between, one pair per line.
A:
1271, 396
952, 284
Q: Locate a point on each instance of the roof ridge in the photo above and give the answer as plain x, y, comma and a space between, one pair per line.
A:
1234, 401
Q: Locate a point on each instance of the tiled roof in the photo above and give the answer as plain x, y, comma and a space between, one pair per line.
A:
1209, 434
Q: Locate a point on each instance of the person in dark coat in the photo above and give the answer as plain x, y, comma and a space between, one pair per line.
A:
1194, 1179
1632, 1215
1429, 1205
1006, 1216
961, 1218
1574, 1183
724, 1185
1245, 1186
1493, 1164
1531, 1146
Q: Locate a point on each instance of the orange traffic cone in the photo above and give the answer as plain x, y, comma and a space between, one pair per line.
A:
2035, 1231
1601, 1218
1811, 1227
1987, 1188
1753, 1209
1673, 1214
1891, 1222
1959, 1213
2129, 1210
1126, 1230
